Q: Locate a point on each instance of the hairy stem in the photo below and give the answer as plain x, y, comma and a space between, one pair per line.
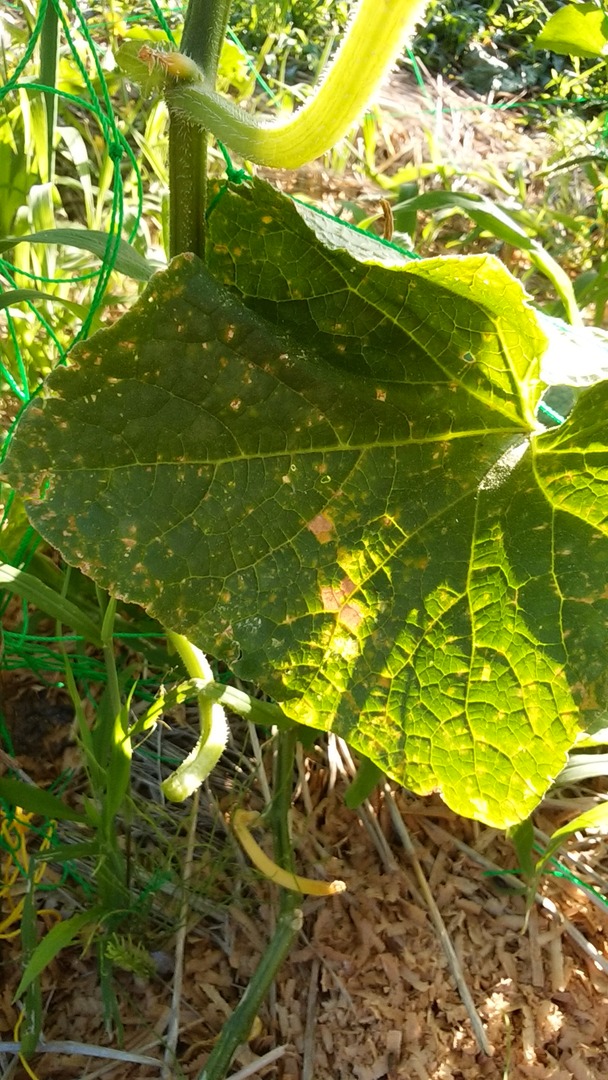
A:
372, 43
204, 30
188, 186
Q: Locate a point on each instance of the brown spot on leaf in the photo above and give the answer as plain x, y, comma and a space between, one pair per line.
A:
350, 617
588, 699
322, 527
334, 599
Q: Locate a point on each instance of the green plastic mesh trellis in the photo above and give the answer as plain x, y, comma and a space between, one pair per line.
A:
96, 103
74, 103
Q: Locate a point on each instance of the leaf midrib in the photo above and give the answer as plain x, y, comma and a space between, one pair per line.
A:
274, 454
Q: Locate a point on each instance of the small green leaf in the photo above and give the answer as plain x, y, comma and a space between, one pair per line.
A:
69, 853
576, 30
483, 211
59, 937
35, 800
522, 838
367, 778
33, 590
128, 261
495, 220
596, 818
581, 767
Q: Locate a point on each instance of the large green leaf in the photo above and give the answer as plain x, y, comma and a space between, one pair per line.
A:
325, 471
576, 30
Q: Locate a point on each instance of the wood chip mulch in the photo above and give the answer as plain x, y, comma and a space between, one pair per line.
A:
367, 993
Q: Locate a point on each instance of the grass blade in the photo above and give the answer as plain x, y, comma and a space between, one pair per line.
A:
35, 800
36, 592
19, 296
128, 261
49, 54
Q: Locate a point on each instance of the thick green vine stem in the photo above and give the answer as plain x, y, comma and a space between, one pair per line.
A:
204, 31
372, 43
214, 728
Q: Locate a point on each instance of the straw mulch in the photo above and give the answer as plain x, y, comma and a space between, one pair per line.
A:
370, 991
